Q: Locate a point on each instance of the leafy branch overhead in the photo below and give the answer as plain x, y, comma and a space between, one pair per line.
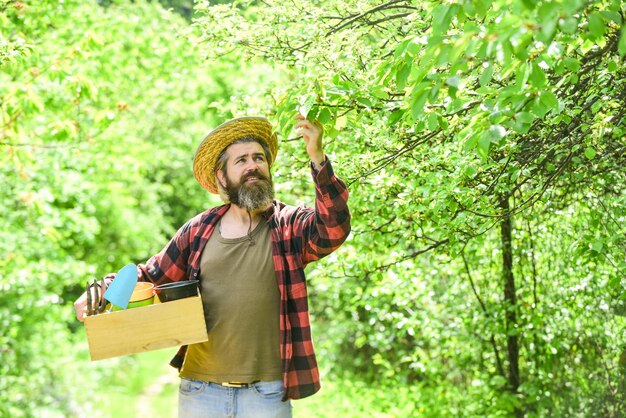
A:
525, 97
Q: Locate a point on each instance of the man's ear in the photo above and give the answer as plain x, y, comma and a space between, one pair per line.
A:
221, 178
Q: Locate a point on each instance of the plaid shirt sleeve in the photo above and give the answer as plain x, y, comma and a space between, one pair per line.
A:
306, 235
328, 227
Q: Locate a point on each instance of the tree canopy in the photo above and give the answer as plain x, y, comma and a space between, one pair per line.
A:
484, 144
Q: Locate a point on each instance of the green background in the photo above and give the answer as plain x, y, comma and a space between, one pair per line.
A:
484, 147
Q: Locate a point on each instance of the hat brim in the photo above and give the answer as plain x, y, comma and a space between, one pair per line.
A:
221, 137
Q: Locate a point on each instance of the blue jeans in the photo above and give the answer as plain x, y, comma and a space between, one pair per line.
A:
209, 400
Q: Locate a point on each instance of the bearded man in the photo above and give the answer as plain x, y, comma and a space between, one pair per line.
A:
249, 256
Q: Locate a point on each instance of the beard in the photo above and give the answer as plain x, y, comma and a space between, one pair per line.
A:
253, 196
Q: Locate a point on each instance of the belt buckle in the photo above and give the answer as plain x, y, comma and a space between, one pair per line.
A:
234, 385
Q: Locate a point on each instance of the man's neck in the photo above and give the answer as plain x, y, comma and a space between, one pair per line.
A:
239, 215
238, 222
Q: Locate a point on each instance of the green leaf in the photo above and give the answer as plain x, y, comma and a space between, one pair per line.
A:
324, 116
442, 17
596, 26
569, 24
549, 100
572, 64
615, 282
496, 132
433, 121
485, 77
521, 76
469, 8
548, 28
401, 48
470, 142
320, 89
521, 46
402, 74
312, 115
590, 153
379, 92
306, 104
470, 171
611, 16
443, 57
443, 122
341, 122
484, 142
395, 116
364, 101
537, 76
523, 121
538, 108
453, 81
612, 66
482, 6
524, 117
597, 246
33, 101
488, 137
420, 94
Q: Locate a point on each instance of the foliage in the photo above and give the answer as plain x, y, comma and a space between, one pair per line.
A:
99, 117
484, 145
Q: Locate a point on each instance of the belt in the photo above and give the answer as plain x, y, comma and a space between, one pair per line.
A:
237, 384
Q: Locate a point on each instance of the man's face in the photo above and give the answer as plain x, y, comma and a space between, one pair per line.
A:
246, 177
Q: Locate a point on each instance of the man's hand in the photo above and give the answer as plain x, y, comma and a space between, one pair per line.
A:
80, 306
312, 134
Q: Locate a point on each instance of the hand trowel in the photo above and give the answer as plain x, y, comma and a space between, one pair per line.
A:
122, 286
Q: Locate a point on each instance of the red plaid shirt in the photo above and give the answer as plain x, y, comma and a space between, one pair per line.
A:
299, 235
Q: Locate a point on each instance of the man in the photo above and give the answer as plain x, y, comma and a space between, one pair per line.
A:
249, 256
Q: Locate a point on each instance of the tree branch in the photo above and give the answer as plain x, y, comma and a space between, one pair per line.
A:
492, 338
388, 5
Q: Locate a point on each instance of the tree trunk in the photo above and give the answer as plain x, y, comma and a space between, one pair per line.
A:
509, 297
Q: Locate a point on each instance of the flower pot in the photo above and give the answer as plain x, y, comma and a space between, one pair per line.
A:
177, 290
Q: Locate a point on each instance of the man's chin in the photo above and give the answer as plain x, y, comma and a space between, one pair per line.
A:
256, 207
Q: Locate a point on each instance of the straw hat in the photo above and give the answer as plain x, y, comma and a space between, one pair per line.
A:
221, 137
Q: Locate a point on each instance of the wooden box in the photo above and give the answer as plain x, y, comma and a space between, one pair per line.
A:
146, 328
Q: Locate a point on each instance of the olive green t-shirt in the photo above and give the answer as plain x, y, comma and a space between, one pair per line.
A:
241, 306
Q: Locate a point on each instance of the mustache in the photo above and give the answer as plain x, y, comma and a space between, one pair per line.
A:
256, 174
